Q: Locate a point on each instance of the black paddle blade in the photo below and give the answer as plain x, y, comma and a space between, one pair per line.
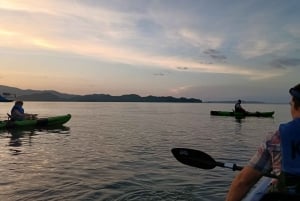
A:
194, 158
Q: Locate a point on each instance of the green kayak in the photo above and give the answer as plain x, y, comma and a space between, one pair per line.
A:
237, 114
40, 122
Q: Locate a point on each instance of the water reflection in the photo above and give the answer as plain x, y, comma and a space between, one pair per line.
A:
15, 140
17, 136
239, 120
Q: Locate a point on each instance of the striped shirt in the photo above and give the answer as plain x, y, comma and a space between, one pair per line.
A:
268, 156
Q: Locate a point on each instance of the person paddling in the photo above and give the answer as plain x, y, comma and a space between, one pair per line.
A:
238, 107
279, 153
17, 112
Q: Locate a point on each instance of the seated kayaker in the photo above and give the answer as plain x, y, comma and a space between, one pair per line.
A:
17, 112
279, 153
238, 107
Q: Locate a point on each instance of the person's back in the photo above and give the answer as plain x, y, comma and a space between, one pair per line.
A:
238, 108
290, 149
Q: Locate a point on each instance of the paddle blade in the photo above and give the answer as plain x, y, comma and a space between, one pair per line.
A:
194, 158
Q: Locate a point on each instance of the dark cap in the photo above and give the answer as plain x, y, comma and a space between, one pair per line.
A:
295, 93
19, 102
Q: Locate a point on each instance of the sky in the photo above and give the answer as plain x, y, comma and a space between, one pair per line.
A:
206, 49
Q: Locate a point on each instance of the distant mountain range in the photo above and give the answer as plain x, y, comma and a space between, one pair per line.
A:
50, 95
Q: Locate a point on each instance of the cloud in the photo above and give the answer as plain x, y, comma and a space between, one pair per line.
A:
180, 89
125, 37
199, 39
182, 68
258, 47
220, 58
109, 52
159, 74
294, 30
211, 51
215, 55
282, 63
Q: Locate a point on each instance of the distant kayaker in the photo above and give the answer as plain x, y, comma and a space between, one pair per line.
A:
17, 112
238, 107
279, 153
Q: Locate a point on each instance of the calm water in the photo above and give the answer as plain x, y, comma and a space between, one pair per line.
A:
121, 151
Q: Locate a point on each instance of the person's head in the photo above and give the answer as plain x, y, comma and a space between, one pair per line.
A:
239, 101
295, 100
20, 103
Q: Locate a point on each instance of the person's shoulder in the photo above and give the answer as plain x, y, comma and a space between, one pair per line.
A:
273, 138
289, 124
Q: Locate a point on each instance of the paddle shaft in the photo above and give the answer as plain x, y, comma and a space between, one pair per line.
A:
231, 166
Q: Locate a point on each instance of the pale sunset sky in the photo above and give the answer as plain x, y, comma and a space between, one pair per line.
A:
206, 49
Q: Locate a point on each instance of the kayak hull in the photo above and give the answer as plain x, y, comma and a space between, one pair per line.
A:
261, 193
259, 190
40, 122
237, 114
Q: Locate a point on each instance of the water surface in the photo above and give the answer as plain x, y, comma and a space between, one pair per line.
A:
121, 151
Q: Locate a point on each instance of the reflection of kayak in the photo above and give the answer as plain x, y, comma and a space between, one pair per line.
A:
40, 122
237, 114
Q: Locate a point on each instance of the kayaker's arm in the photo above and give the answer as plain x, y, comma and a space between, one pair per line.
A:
242, 183
30, 116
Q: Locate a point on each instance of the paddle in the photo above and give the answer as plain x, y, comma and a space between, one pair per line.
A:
202, 160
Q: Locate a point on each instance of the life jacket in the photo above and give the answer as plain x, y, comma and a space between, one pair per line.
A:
14, 115
290, 161
17, 107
